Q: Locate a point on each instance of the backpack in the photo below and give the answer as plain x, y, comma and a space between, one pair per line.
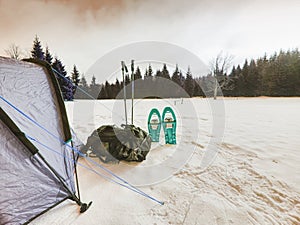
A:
110, 143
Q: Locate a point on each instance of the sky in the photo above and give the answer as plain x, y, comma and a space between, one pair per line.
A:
81, 31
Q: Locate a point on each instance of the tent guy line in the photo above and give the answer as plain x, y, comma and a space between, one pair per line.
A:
80, 153
94, 171
90, 169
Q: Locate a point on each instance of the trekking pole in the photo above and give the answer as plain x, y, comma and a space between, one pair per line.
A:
124, 87
132, 89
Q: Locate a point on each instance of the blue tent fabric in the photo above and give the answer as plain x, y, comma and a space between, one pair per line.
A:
27, 186
32, 178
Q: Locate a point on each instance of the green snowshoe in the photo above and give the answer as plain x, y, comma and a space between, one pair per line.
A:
169, 125
154, 125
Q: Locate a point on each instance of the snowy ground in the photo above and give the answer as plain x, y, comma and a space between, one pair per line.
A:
254, 178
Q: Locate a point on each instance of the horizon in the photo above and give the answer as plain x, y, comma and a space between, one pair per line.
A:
80, 33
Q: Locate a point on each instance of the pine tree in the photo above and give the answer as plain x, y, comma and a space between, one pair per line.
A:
48, 56
233, 77
108, 90
83, 82
175, 77
64, 82
189, 83
69, 88
181, 78
102, 93
127, 80
253, 79
137, 74
165, 72
59, 67
150, 71
37, 50
94, 89
245, 75
197, 90
75, 76
146, 73
115, 89
261, 67
93, 82
239, 81
158, 73
82, 89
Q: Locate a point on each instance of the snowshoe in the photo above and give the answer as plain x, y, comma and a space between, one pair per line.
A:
169, 125
154, 125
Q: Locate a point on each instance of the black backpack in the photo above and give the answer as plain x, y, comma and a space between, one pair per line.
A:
111, 143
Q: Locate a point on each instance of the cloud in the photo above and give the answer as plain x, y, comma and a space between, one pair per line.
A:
89, 5
79, 32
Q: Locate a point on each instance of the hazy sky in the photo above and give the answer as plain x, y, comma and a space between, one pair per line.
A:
80, 32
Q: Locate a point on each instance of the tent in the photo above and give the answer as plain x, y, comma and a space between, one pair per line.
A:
37, 165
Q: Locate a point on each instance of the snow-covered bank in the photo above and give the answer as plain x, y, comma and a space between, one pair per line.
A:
253, 180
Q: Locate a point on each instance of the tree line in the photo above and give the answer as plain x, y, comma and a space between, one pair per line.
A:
161, 84
277, 75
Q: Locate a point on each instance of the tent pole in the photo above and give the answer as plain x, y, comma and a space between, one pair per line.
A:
75, 169
75, 198
83, 206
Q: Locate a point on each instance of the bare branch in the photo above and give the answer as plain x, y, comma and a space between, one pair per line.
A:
221, 64
14, 51
219, 67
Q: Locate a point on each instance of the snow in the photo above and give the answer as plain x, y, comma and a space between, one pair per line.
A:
253, 178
